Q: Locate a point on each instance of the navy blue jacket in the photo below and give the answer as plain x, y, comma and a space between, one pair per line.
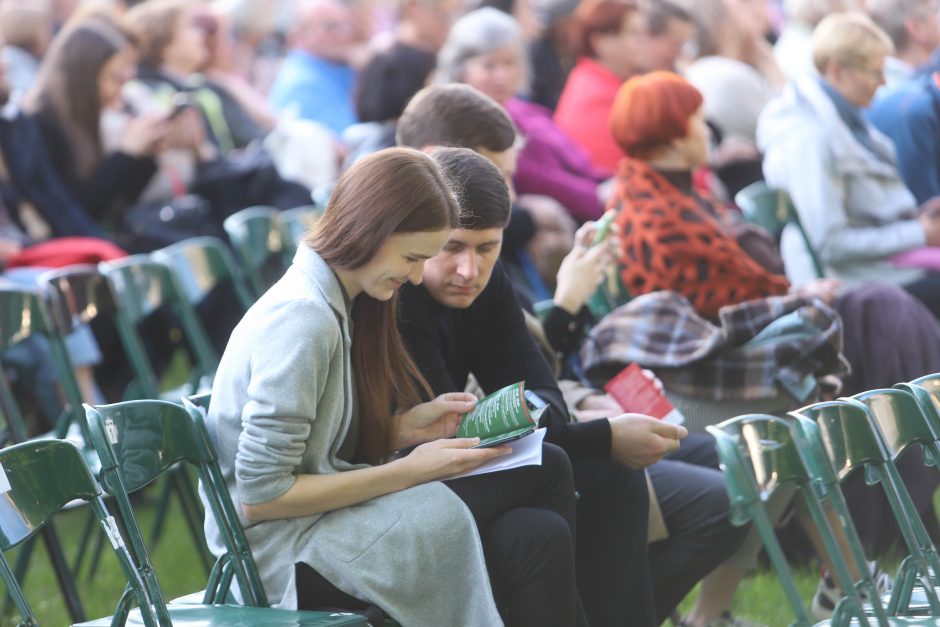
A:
910, 115
34, 178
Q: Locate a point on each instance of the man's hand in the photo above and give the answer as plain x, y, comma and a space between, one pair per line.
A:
429, 421
638, 441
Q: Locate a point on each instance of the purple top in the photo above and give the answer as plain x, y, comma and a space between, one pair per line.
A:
551, 164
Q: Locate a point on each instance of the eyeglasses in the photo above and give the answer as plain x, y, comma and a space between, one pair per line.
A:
872, 73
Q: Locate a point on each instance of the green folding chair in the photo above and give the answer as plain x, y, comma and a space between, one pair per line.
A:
141, 287
845, 433
25, 313
759, 455
200, 264
773, 210
42, 477
198, 406
257, 239
140, 440
295, 223
901, 424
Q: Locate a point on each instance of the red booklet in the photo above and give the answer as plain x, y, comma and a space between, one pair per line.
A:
638, 394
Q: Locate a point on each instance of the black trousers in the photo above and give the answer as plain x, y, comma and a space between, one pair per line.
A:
694, 501
613, 567
526, 519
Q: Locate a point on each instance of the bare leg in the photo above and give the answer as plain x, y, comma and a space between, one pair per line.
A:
85, 376
715, 594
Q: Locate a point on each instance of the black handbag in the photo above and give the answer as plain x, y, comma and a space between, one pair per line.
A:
152, 225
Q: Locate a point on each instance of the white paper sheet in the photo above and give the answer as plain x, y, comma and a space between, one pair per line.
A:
526, 451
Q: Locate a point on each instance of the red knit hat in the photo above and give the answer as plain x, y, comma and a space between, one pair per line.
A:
651, 110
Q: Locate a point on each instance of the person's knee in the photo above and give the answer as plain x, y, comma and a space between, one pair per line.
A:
557, 466
525, 534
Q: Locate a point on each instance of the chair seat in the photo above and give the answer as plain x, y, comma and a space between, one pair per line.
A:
196, 599
240, 616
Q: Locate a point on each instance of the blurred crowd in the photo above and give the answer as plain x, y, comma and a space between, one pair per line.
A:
128, 126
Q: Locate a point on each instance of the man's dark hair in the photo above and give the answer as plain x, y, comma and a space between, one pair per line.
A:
658, 14
482, 193
455, 115
389, 80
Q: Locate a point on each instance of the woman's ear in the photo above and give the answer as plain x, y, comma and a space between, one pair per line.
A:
833, 71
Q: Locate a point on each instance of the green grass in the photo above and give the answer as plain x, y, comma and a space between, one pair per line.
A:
760, 598
174, 558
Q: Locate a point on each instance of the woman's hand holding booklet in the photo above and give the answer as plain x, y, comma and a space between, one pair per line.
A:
505, 415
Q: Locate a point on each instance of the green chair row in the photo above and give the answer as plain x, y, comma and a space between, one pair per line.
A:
137, 442
131, 291
815, 449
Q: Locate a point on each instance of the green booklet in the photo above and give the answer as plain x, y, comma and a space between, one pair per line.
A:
500, 417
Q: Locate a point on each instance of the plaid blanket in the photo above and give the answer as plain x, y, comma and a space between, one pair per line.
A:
758, 344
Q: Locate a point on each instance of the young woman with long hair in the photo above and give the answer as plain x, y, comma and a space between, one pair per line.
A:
315, 392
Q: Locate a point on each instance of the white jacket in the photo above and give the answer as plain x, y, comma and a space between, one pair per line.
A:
854, 206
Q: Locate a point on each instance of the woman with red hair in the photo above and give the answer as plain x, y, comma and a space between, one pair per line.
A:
608, 33
673, 238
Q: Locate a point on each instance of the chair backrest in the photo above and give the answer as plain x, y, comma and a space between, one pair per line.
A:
257, 239
900, 420
78, 295
140, 440
199, 264
847, 437
295, 224
758, 455
141, 287
137, 441
39, 478
773, 210
926, 391
24, 312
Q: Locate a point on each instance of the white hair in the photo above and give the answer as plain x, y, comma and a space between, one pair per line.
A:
479, 32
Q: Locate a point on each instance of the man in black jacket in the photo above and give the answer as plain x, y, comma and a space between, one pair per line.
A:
465, 319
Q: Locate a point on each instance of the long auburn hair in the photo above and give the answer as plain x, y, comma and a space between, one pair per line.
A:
398, 190
67, 85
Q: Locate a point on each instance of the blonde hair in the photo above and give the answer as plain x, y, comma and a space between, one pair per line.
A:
850, 39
